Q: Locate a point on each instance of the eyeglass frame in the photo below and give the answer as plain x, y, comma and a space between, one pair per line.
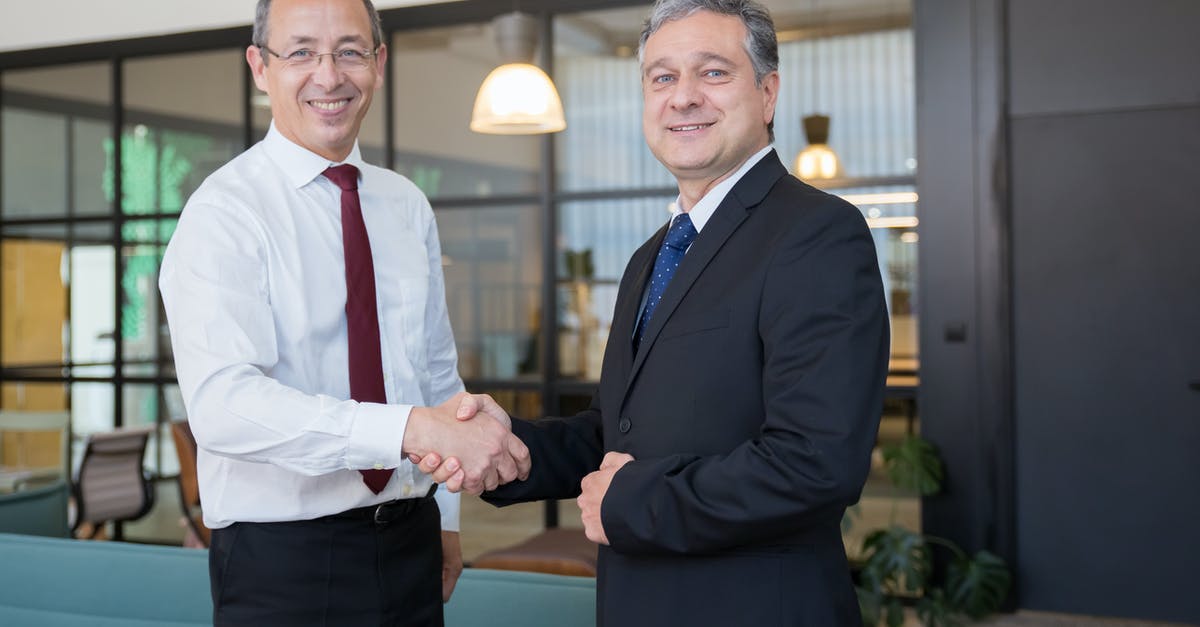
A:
288, 62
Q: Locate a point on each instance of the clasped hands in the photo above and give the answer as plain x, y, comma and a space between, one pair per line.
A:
455, 476
473, 437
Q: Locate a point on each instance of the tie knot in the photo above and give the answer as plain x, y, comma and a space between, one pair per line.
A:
344, 176
681, 233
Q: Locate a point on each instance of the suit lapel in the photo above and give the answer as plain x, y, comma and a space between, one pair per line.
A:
734, 209
628, 305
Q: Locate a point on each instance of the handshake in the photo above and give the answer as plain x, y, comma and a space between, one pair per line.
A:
466, 443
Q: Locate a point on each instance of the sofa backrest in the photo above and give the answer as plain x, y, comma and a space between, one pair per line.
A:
52, 582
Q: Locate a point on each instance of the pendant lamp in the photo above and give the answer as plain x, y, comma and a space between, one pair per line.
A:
517, 98
817, 160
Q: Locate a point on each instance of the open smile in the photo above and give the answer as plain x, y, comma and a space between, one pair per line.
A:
689, 127
329, 106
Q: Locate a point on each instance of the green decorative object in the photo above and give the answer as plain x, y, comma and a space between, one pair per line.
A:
898, 562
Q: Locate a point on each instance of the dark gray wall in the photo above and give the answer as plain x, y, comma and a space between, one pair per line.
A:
1059, 148
1105, 154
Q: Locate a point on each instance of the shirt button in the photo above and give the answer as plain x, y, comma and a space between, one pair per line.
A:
624, 425
407, 490
378, 466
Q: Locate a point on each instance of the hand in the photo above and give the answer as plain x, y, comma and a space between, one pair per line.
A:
485, 450
595, 486
452, 563
448, 472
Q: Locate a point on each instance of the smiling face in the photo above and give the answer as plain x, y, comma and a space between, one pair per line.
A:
704, 114
320, 109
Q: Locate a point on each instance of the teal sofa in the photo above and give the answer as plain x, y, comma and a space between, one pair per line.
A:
51, 582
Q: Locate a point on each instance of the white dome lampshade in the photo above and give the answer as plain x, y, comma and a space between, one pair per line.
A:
517, 98
817, 160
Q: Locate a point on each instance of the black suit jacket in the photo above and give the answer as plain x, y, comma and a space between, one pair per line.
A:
751, 408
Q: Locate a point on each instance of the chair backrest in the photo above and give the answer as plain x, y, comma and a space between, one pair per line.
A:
189, 484
36, 441
111, 485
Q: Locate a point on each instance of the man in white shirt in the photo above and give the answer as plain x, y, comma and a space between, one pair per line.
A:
305, 298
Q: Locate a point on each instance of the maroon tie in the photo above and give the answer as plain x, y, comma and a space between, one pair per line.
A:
362, 323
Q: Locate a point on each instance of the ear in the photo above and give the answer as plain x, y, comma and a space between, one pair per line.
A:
258, 67
380, 65
770, 89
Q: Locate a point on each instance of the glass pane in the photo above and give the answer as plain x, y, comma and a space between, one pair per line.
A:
33, 396
34, 297
492, 264
93, 271
66, 113
142, 319
597, 238
437, 74
183, 121
140, 409
91, 412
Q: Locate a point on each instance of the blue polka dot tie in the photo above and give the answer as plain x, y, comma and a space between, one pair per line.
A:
679, 237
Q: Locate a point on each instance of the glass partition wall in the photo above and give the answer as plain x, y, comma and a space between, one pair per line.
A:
99, 156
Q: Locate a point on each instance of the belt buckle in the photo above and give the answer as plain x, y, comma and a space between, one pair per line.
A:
378, 513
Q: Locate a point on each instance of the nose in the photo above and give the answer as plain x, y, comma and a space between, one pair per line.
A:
687, 93
326, 74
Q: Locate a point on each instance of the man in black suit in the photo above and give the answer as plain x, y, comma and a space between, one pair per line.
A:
742, 383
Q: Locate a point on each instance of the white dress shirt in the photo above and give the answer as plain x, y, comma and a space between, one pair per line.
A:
254, 288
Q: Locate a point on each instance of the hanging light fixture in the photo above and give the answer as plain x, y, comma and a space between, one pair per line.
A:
817, 160
517, 98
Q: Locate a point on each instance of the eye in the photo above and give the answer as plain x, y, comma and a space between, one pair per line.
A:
715, 73
300, 55
662, 79
350, 54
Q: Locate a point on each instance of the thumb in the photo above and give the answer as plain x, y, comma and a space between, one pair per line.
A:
467, 408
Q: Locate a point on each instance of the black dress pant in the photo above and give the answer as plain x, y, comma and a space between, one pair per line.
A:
370, 566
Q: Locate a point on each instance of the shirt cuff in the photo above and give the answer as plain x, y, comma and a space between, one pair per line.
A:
377, 436
449, 504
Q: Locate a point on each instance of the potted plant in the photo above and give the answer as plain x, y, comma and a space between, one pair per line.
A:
897, 563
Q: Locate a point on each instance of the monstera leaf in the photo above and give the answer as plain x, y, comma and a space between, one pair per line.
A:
896, 559
978, 585
914, 465
935, 611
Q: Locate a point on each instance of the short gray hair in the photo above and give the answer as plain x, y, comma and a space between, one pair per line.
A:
761, 45
263, 12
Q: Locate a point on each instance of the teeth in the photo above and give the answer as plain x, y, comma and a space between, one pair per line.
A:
330, 106
694, 127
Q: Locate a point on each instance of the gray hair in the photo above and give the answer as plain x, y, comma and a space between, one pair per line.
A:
263, 12
761, 44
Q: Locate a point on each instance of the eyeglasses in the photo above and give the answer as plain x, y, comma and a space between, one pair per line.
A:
345, 59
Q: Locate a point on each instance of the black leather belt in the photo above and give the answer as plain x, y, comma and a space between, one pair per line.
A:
384, 513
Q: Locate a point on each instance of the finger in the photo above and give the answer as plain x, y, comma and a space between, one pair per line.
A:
414, 458
520, 454
489, 406
491, 481
446, 470
468, 407
454, 483
429, 463
506, 469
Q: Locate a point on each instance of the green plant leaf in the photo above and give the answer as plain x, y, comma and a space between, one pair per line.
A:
894, 612
896, 559
977, 586
934, 611
914, 464
870, 603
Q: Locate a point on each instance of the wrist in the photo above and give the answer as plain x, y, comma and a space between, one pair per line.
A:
415, 431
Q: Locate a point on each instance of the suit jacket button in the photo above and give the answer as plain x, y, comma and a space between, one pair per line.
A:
624, 425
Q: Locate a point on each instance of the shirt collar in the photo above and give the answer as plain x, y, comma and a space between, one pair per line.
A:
709, 203
300, 165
